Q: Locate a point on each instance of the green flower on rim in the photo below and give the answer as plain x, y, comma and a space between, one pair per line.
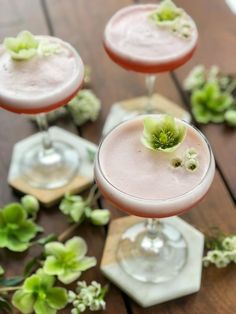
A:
22, 47
167, 11
39, 296
162, 134
15, 229
68, 260
209, 103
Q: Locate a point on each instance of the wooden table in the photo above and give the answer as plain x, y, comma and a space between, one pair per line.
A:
81, 22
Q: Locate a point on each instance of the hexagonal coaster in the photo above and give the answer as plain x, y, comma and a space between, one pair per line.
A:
129, 108
48, 197
147, 294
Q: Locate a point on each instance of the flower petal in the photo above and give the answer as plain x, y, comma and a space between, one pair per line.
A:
86, 263
52, 266
55, 248
42, 307
77, 245
23, 301
69, 276
57, 298
14, 213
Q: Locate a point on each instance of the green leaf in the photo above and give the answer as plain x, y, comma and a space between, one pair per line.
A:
11, 282
23, 301
57, 298
14, 213
30, 266
50, 238
22, 47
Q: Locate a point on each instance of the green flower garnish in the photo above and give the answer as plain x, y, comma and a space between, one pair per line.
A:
22, 47
210, 103
167, 11
100, 217
172, 18
39, 296
68, 260
74, 206
162, 134
16, 230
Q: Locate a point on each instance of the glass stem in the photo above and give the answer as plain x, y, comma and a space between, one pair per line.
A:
150, 81
153, 228
46, 139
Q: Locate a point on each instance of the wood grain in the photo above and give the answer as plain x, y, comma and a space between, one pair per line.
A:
81, 22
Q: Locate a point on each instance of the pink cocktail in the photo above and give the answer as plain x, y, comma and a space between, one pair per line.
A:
35, 86
146, 183
135, 42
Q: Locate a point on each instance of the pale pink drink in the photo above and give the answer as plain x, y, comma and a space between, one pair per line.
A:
35, 86
136, 43
144, 183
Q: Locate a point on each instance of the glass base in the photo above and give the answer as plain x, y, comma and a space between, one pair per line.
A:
51, 168
152, 259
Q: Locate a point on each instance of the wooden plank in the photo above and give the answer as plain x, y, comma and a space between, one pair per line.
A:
74, 21
217, 45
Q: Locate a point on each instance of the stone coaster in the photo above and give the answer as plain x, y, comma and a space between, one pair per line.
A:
79, 183
147, 294
126, 109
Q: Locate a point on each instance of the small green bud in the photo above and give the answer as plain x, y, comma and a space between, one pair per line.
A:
230, 117
100, 217
191, 164
30, 204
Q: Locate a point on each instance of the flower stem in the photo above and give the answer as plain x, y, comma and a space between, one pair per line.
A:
8, 289
68, 232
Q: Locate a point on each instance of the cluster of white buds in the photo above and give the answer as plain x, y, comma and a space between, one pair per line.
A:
88, 297
222, 257
189, 160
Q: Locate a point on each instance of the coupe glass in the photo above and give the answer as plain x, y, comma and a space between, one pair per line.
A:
127, 46
50, 163
152, 250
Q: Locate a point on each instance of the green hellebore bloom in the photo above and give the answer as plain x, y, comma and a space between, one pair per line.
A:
30, 204
68, 260
167, 12
38, 295
209, 103
100, 217
15, 229
22, 47
162, 134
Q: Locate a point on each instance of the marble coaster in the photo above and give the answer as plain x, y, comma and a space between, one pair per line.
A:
147, 294
79, 183
129, 108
